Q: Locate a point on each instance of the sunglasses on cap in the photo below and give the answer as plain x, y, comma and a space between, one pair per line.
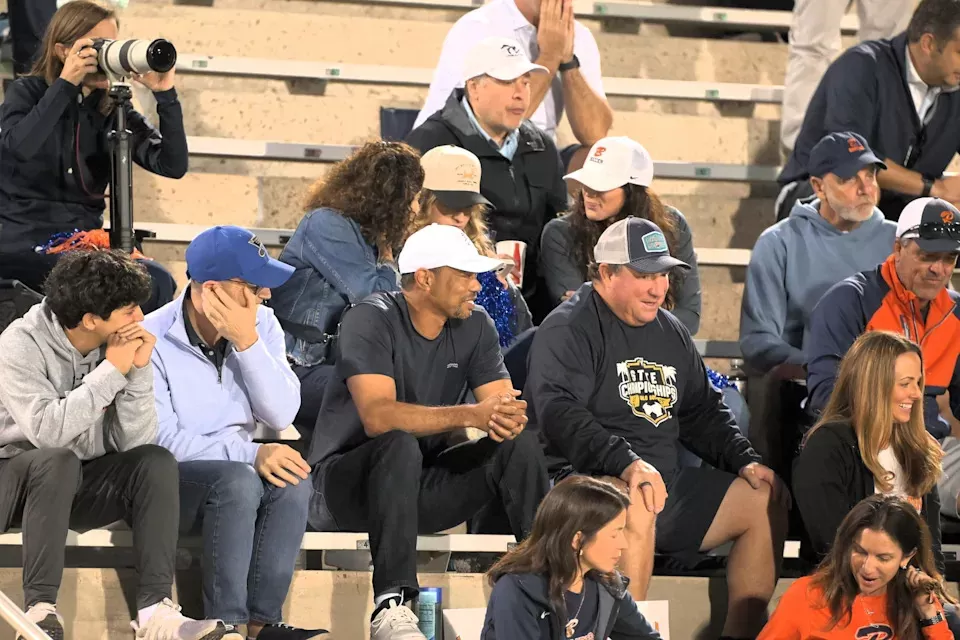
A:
937, 230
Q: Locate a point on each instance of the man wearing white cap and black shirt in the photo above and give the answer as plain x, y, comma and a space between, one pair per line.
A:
381, 460
522, 176
615, 382
548, 34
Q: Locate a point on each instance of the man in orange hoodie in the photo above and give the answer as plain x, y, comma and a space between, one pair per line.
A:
908, 295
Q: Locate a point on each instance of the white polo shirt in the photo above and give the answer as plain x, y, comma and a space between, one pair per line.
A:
503, 18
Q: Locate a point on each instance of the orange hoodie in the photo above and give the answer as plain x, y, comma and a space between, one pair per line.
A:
801, 616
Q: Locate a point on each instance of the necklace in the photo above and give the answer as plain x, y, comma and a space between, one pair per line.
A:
574, 621
867, 611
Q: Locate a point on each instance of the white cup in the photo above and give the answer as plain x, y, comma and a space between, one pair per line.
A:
516, 250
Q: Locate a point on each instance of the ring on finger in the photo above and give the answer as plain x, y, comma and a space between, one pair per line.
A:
644, 484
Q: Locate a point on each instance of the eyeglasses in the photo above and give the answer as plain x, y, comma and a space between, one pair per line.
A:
256, 289
937, 230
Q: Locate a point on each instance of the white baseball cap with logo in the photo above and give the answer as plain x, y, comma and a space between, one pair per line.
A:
500, 58
453, 175
614, 162
443, 245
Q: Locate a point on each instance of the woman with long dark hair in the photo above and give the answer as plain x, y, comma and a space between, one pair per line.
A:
615, 184
562, 582
870, 439
55, 158
878, 581
357, 216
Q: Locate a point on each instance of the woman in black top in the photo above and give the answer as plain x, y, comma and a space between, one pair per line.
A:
54, 154
870, 439
561, 582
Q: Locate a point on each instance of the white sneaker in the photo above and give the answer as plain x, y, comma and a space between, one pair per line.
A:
396, 622
167, 623
46, 617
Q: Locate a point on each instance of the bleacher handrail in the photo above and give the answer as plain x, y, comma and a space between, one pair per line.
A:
16, 618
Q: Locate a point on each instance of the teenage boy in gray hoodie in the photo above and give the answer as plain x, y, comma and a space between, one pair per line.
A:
839, 233
77, 423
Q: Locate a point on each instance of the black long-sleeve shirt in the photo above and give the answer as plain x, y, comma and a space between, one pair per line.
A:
55, 157
604, 393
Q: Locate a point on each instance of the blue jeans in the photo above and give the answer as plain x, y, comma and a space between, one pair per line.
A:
252, 532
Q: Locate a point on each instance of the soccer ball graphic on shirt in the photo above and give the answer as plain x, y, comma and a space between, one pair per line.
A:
649, 389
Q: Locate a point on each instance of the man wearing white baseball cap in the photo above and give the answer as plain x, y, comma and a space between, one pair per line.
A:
522, 176
382, 462
614, 184
546, 32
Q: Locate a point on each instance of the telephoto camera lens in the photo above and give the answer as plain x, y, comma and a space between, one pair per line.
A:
128, 57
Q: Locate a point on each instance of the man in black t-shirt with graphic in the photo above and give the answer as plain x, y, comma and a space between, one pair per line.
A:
615, 383
380, 456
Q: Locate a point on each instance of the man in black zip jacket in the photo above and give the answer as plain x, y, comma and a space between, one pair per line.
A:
615, 383
55, 157
520, 168
899, 94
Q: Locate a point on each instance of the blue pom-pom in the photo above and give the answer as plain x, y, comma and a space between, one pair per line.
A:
719, 380
499, 305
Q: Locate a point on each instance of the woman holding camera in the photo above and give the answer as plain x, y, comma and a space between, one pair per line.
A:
55, 157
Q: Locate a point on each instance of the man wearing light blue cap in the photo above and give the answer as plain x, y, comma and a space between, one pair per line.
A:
221, 368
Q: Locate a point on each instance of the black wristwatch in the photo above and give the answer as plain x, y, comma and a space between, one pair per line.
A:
937, 619
574, 63
927, 186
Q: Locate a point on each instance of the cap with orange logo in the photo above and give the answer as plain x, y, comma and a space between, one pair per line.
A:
933, 223
842, 154
614, 162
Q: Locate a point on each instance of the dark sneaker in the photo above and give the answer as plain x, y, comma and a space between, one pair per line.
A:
286, 632
46, 617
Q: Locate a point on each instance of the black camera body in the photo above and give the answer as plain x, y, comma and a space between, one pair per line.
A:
123, 58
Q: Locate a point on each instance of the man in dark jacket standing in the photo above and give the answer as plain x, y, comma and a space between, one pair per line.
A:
615, 382
521, 173
899, 94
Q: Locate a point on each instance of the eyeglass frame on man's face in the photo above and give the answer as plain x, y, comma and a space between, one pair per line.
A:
255, 288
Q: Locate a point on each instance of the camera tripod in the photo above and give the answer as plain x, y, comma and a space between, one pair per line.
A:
121, 169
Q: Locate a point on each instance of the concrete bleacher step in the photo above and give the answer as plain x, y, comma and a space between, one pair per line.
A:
95, 605
333, 120
270, 33
276, 202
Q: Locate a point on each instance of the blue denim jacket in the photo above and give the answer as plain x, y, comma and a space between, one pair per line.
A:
335, 267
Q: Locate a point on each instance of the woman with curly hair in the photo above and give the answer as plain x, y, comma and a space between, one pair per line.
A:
451, 196
615, 182
343, 250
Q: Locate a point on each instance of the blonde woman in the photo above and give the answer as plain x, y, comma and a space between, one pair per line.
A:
870, 439
451, 196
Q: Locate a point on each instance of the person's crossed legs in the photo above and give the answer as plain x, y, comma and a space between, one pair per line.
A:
389, 488
252, 531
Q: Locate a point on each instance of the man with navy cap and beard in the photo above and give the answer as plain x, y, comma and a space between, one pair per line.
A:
615, 382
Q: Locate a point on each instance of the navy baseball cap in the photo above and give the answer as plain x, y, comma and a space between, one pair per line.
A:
227, 252
842, 154
637, 243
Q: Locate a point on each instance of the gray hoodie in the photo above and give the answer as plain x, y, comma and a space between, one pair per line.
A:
52, 396
792, 265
